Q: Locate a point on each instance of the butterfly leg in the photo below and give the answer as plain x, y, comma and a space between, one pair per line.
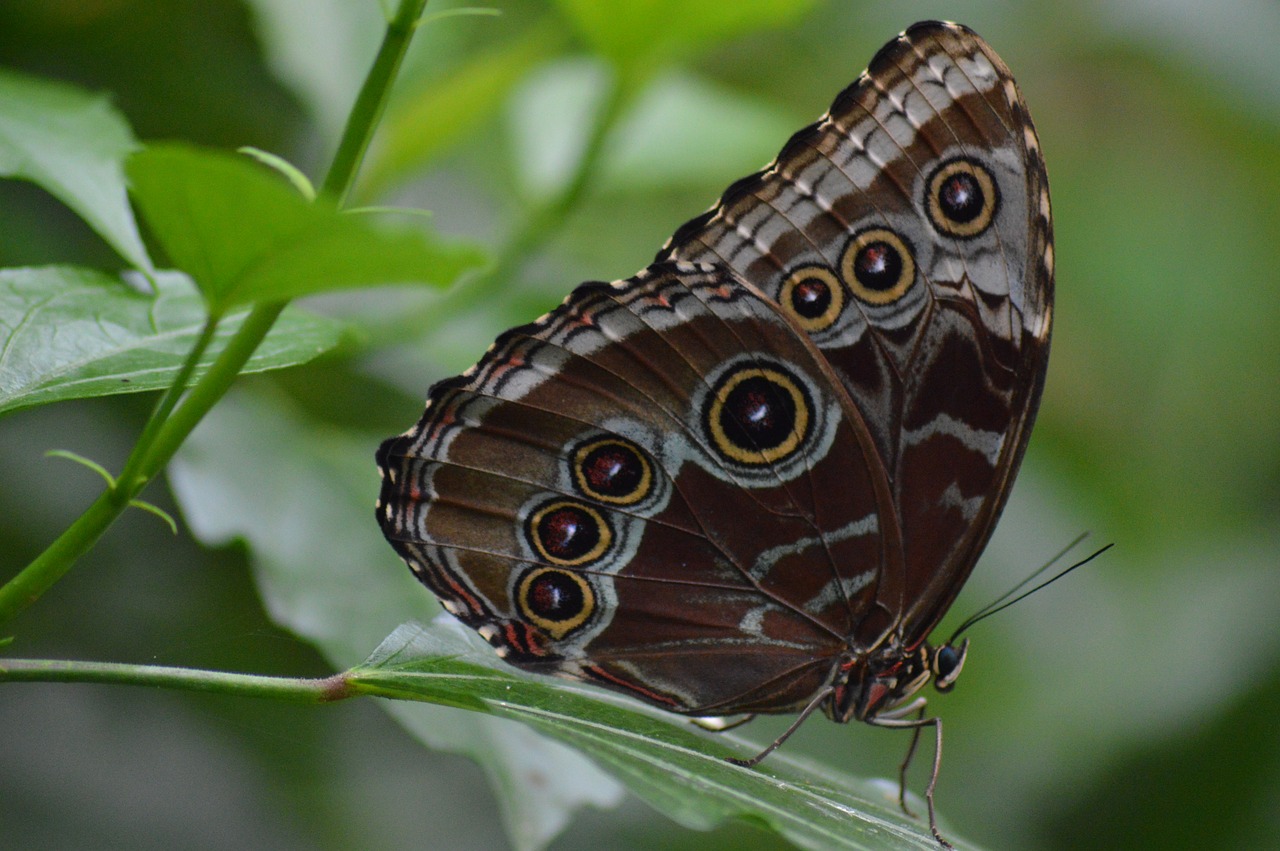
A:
916, 725
906, 763
751, 762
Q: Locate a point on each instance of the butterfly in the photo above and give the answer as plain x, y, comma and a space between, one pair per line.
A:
753, 477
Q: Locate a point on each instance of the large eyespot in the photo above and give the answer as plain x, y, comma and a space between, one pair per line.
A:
568, 533
962, 198
555, 600
813, 296
878, 266
613, 471
758, 415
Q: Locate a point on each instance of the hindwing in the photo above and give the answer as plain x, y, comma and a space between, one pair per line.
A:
658, 479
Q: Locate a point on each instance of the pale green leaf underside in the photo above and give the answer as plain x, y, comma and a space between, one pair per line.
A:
73, 333
73, 145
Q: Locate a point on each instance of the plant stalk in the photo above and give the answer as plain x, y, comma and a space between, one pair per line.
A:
172, 422
294, 689
371, 102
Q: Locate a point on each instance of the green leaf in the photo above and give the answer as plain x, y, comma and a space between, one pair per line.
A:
74, 333
73, 145
641, 33
302, 498
680, 771
246, 236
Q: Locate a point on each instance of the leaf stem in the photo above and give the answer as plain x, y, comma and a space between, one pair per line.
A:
171, 423
168, 401
371, 102
48, 567
294, 689
210, 388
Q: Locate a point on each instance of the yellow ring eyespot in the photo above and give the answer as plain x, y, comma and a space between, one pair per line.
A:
878, 266
758, 415
962, 198
813, 296
568, 533
612, 471
556, 601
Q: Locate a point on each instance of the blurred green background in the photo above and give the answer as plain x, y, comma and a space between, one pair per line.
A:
1128, 706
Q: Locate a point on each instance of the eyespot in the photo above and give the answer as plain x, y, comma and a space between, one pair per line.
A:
813, 296
962, 198
758, 415
568, 533
555, 600
612, 471
878, 266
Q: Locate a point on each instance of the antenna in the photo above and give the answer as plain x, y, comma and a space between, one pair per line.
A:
1003, 601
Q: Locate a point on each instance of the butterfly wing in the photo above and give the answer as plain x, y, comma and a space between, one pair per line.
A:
791, 436
659, 486
908, 232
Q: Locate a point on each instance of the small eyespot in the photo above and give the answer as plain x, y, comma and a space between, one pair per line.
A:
962, 198
813, 296
568, 533
758, 415
556, 601
613, 471
878, 266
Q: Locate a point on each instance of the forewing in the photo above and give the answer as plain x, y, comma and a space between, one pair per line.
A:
908, 232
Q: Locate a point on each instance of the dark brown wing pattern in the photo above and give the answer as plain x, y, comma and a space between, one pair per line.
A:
908, 231
637, 489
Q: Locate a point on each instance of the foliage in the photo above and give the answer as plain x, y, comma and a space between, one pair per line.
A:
571, 142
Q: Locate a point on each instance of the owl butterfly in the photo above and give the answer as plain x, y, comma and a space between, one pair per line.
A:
754, 476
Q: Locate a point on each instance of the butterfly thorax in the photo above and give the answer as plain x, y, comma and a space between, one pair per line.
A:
884, 681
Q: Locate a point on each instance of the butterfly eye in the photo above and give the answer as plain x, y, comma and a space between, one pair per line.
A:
947, 663
555, 600
568, 533
962, 198
878, 266
813, 296
758, 415
612, 471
